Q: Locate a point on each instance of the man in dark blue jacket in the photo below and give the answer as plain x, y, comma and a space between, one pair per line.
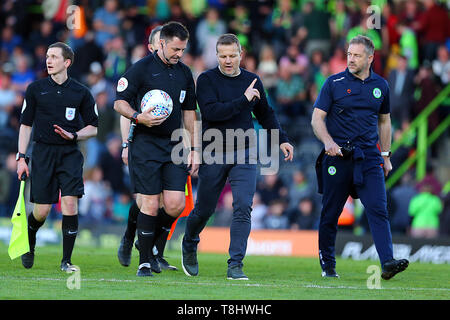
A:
227, 95
351, 116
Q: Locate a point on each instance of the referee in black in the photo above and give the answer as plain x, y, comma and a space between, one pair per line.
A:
151, 168
61, 111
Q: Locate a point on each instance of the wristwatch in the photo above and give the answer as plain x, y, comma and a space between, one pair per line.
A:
124, 145
20, 155
134, 118
386, 153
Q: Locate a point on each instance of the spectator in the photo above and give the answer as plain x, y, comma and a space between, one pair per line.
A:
112, 165
106, 22
116, 59
401, 84
268, 69
290, 93
224, 213
96, 202
44, 36
121, 208
425, 208
401, 197
441, 65
271, 187
429, 89
259, 211
300, 189
338, 62
208, 31
409, 46
9, 40
434, 25
340, 23
276, 218
86, 54
9, 186
444, 224
240, 24
23, 75
303, 216
294, 60
317, 27
431, 181
7, 99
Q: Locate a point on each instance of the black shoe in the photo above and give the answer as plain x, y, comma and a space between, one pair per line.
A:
165, 265
392, 267
124, 252
330, 273
235, 273
154, 264
68, 267
28, 260
189, 262
144, 270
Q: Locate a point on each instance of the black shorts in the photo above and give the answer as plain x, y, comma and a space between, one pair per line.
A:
151, 167
55, 168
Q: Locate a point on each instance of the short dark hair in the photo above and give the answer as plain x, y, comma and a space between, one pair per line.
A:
67, 51
227, 39
368, 44
174, 29
153, 34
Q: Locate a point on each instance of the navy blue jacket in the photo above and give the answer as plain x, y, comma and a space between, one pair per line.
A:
223, 104
352, 107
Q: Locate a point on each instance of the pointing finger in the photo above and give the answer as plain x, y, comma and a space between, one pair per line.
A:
253, 83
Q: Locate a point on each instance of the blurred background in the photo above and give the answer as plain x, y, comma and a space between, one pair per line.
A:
293, 45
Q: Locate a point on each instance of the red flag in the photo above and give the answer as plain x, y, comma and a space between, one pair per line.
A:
187, 208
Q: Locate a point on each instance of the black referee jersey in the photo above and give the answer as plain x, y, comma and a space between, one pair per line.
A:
152, 73
69, 105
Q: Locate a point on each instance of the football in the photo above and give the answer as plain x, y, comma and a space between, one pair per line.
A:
160, 100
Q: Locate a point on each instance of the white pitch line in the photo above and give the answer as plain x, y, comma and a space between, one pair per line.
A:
307, 286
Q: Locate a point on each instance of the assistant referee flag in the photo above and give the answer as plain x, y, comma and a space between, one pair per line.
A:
18, 243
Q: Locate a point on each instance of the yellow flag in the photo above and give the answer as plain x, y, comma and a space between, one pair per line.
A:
18, 243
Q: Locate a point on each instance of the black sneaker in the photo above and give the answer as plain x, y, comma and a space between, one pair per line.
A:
27, 260
68, 267
144, 270
392, 267
165, 265
330, 273
124, 252
154, 264
189, 262
236, 273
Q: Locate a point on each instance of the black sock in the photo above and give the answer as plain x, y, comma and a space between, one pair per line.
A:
163, 224
132, 220
69, 232
33, 227
145, 231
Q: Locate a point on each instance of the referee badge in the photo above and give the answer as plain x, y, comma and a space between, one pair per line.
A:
182, 95
376, 93
331, 170
70, 114
122, 84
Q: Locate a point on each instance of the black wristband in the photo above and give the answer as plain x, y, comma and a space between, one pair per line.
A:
195, 148
134, 118
75, 136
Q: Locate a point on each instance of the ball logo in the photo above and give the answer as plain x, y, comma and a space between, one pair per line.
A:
122, 84
377, 93
159, 100
331, 170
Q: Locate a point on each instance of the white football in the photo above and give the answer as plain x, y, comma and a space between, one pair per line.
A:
160, 100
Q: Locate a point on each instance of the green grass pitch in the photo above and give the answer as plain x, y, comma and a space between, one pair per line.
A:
101, 277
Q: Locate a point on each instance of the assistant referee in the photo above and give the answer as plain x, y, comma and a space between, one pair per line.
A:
60, 111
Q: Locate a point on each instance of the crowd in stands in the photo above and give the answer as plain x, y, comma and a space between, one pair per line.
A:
294, 45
